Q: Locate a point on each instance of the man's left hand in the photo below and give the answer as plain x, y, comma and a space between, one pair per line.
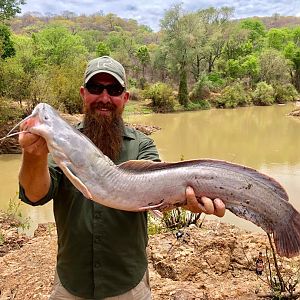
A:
206, 205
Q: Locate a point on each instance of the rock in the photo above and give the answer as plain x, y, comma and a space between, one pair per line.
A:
216, 262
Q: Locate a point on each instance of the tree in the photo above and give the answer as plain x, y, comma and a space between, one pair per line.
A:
102, 49
56, 45
143, 56
9, 8
6, 45
177, 42
274, 67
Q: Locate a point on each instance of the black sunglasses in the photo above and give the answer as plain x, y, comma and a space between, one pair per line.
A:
114, 89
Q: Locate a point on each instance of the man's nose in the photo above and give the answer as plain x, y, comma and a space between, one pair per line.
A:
105, 96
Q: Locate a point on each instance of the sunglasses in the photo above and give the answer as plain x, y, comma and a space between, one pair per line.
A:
114, 89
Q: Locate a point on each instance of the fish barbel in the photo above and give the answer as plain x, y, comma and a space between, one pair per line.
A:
145, 185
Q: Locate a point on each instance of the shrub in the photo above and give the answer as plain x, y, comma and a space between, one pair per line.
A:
205, 85
233, 96
161, 96
10, 111
285, 93
135, 94
264, 94
201, 104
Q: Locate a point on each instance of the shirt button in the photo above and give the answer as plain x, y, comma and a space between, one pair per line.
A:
97, 265
98, 239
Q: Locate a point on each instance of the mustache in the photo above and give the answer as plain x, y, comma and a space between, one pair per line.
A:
101, 105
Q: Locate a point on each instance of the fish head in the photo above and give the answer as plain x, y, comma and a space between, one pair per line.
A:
43, 121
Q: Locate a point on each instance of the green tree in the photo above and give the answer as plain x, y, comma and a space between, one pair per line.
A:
56, 45
9, 8
6, 45
274, 67
143, 56
177, 41
292, 52
102, 49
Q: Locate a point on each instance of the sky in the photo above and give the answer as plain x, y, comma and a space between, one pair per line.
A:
150, 12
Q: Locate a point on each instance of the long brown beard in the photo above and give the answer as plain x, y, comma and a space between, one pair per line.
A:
106, 132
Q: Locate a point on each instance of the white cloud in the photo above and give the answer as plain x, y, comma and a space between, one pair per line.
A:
151, 12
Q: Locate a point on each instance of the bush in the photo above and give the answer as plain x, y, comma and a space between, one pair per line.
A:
161, 96
285, 93
10, 111
205, 85
233, 96
264, 94
135, 94
201, 104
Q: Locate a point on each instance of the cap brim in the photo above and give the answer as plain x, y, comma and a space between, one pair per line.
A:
120, 80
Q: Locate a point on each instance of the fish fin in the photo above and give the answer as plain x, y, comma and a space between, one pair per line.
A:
75, 181
142, 165
146, 165
287, 236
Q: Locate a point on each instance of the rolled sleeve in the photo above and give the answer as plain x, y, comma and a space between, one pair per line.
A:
54, 175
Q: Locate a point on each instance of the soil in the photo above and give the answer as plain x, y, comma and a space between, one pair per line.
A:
216, 261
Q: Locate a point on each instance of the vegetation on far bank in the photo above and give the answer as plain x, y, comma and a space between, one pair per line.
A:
197, 60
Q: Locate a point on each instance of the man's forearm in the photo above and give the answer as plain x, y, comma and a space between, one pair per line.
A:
34, 176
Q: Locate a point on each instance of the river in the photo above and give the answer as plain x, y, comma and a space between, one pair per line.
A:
264, 138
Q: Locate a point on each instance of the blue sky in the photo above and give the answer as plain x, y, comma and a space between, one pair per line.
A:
151, 12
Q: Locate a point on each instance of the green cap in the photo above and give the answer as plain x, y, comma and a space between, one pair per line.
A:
105, 64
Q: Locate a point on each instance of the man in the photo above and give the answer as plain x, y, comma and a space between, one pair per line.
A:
101, 251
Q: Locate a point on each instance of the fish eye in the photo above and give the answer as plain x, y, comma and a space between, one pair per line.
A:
46, 117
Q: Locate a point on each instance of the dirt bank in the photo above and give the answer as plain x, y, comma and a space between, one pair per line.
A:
212, 262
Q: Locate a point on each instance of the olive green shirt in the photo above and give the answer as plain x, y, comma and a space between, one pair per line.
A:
101, 251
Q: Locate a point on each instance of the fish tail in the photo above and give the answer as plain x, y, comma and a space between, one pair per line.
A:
287, 238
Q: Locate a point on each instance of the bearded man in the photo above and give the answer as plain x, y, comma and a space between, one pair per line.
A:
101, 251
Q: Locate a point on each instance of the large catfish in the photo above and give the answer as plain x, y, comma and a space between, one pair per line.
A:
144, 185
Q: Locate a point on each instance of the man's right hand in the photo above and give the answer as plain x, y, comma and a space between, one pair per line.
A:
32, 143
34, 174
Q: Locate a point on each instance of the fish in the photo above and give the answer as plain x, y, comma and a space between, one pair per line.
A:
140, 185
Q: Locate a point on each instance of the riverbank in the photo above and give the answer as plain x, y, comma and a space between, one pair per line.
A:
12, 146
216, 261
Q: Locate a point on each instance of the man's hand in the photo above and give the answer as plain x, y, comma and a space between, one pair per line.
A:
32, 143
206, 205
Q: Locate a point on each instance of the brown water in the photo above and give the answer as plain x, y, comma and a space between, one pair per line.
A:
264, 138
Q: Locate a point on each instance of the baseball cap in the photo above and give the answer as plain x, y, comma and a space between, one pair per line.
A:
105, 64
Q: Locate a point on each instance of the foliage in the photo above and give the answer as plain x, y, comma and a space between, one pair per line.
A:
161, 96
135, 94
202, 90
285, 93
102, 49
202, 49
263, 94
6, 45
233, 96
9, 111
282, 287
174, 220
274, 67
9, 8
14, 213
183, 89
179, 218
199, 104
56, 45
